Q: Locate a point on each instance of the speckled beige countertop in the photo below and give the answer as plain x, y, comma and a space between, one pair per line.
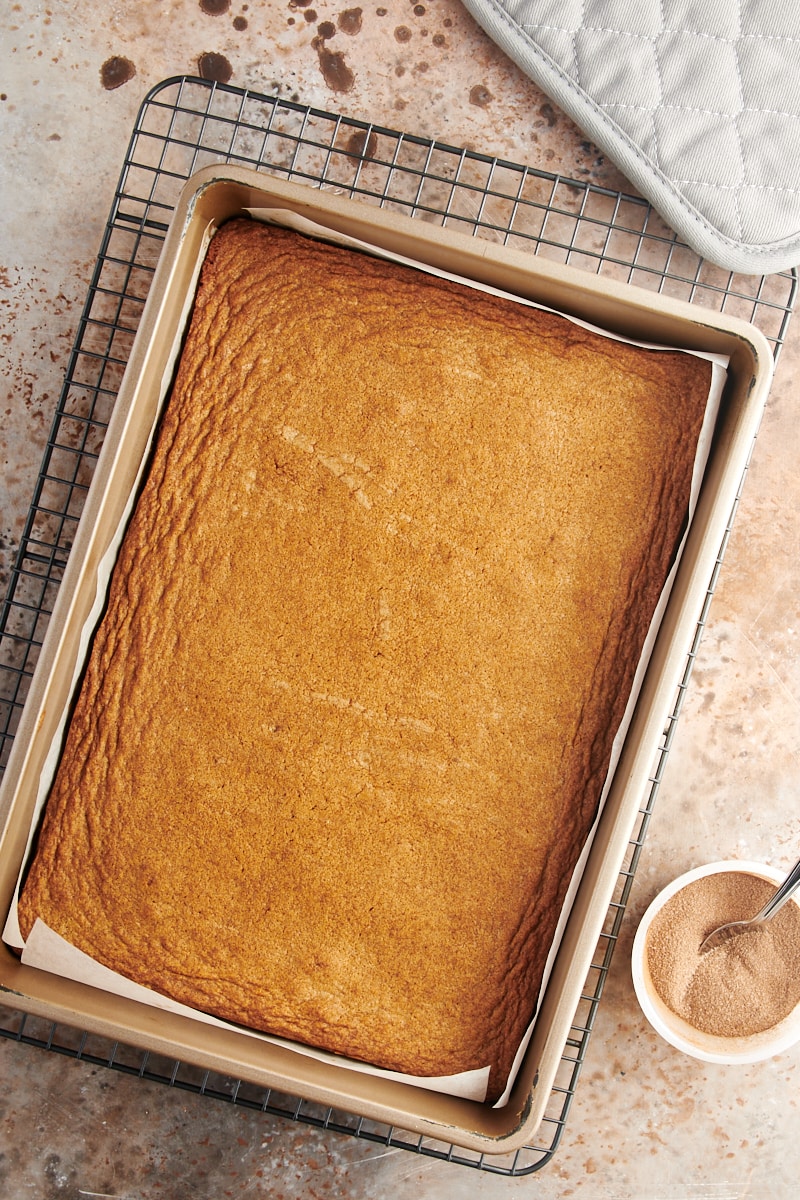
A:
646, 1123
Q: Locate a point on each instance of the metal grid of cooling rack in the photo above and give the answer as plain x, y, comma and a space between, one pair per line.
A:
187, 123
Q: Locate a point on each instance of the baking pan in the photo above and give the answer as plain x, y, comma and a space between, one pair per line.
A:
211, 197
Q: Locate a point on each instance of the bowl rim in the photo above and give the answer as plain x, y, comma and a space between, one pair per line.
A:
678, 1032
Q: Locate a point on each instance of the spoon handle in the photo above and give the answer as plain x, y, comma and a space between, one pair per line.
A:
787, 888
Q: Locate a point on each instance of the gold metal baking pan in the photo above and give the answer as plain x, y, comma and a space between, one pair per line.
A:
210, 198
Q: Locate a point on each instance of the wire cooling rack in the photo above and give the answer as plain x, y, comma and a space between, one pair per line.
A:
184, 124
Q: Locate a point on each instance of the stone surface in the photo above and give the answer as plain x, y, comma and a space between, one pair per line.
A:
646, 1122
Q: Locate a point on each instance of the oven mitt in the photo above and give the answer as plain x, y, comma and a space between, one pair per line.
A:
696, 101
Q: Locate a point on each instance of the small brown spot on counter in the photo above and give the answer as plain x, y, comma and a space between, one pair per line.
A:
115, 71
480, 95
349, 21
335, 71
214, 67
362, 144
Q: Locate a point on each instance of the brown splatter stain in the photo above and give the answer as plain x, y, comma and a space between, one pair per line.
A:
335, 71
439, 39
402, 33
349, 21
361, 144
480, 95
326, 30
310, 15
240, 24
214, 8
214, 67
115, 71
419, 10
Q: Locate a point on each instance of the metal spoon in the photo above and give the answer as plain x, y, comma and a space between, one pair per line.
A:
789, 886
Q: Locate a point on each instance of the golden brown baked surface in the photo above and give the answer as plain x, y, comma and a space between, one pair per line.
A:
373, 624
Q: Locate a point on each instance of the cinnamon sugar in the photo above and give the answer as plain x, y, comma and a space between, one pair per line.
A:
741, 988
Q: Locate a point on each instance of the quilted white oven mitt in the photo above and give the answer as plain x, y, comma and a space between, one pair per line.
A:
696, 101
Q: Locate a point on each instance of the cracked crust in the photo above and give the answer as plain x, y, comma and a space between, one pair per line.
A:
373, 624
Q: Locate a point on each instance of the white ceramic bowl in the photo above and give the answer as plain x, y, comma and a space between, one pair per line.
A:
680, 1033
